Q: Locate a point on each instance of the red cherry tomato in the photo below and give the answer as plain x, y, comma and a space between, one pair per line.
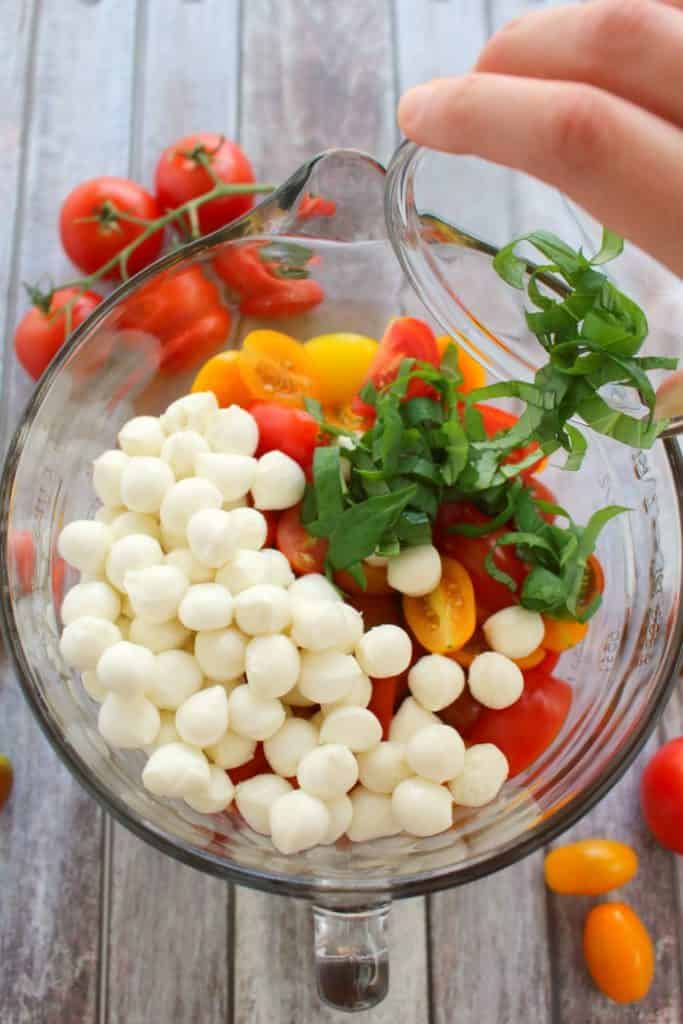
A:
304, 552
257, 766
181, 176
472, 552
405, 338
272, 519
92, 234
528, 727
462, 714
290, 299
292, 431
539, 492
22, 553
383, 699
661, 795
496, 420
312, 206
39, 336
262, 293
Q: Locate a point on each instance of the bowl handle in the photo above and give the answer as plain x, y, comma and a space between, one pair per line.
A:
351, 956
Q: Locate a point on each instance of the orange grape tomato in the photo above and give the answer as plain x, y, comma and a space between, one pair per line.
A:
444, 620
561, 634
222, 375
590, 867
618, 952
341, 361
531, 660
276, 368
376, 582
473, 373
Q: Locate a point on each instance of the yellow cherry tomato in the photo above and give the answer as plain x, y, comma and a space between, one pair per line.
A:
618, 952
561, 634
473, 373
590, 867
444, 620
276, 368
342, 361
221, 374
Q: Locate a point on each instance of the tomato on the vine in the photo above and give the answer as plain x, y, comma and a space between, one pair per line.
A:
40, 335
292, 431
661, 795
261, 283
304, 552
406, 337
181, 175
93, 233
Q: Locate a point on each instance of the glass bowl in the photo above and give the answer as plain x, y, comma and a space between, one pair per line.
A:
117, 366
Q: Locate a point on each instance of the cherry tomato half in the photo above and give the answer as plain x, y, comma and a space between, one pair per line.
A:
342, 362
378, 610
304, 552
39, 336
473, 373
383, 701
618, 952
590, 867
496, 420
462, 714
257, 766
406, 337
376, 582
661, 795
444, 620
91, 232
292, 431
276, 368
221, 374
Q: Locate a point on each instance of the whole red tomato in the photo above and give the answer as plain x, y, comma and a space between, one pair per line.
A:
40, 335
254, 274
92, 233
180, 176
661, 795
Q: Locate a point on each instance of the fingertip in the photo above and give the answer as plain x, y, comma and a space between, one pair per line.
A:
413, 110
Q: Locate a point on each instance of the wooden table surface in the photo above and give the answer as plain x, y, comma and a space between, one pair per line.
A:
94, 925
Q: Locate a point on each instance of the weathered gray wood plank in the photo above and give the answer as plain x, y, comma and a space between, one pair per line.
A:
51, 832
169, 955
437, 38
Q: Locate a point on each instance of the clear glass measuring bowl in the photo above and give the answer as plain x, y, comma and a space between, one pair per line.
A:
622, 674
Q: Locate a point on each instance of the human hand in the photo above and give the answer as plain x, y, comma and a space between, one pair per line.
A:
588, 98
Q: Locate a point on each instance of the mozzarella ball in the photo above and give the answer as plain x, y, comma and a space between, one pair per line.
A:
237, 503
295, 699
177, 677
436, 681
372, 817
495, 681
183, 500
172, 541
183, 559
203, 718
108, 513
278, 570
341, 813
359, 695
85, 640
421, 807
167, 732
206, 606
295, 738
96, 598
156, 592
144, 482
416, 571
279, 482
213, 798
329, 771
255, 797
141, 436
381, 769
298, 821
85, 544
134, 552
257, 718
384, 651
322, 625
232, 430
272, 665
93, 687
127, 669
181, 449
514, 631
314, 587
212, 537
176, 769
129, 522
251, 526
353, 621
328, 677
106, 476
231, 474
485, 770
128, 722
246, 569
164, 636
409, 719
355, 728
231, 750
436, 752
221, 653
262, 609
191, 412
123, 623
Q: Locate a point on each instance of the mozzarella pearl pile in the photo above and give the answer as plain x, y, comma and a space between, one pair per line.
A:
198, 644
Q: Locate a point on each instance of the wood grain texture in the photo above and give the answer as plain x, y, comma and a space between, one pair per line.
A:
169, 954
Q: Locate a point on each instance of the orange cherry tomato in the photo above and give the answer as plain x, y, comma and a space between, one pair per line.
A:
444, 620
222, 375
561, 634
531, 660
376, 582
590, 867
473, 373
276, 368
618, 952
